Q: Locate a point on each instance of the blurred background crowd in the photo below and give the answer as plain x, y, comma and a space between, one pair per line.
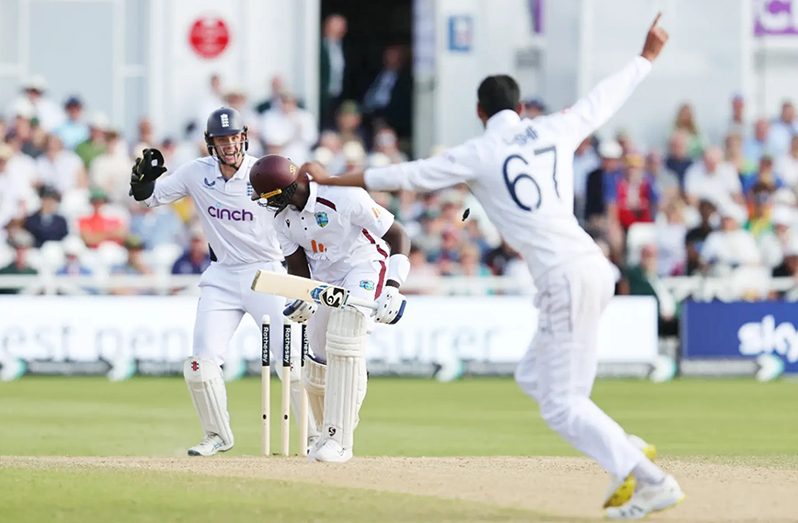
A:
687, 207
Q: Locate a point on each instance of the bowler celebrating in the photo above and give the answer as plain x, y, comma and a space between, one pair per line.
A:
521, 170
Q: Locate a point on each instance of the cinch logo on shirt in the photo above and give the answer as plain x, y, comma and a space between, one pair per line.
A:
236, 215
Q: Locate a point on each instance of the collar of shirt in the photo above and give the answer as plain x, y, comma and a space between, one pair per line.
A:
310, 205
240, 174
502, 119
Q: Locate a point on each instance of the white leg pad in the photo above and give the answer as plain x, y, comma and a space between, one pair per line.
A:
209, 395
346, 342
315, 383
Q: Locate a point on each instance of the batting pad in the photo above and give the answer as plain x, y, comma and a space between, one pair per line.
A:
209, 395
315, 381
346, 341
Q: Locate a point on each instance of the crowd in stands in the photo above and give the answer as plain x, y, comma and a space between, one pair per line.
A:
691, 207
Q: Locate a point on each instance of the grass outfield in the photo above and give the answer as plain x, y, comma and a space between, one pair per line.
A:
722, 421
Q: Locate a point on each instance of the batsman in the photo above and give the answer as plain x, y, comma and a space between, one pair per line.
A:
338, 235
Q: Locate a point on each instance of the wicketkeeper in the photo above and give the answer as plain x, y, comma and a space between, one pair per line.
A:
242, 240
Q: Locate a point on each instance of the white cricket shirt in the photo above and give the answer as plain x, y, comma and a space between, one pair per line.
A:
521, 171
239, 230
339, 228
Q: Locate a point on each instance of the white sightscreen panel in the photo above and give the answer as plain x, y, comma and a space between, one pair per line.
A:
136, 31
9, 35
71, 45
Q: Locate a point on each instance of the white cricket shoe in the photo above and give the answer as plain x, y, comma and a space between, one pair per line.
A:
212, 444
648, 498
329, 451
621, 489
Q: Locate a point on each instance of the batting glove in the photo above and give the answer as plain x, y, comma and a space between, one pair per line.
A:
299, 311
390, 306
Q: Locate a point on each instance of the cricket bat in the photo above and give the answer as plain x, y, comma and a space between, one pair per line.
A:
305, 289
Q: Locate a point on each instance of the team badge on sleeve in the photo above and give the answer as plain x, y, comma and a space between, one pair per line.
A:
321, 219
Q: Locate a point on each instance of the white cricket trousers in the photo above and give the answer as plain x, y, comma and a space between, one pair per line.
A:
225, 295
559, 368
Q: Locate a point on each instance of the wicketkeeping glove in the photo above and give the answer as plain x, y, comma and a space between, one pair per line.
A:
390, 306
148, 168
299, 311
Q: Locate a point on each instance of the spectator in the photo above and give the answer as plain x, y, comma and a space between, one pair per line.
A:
712, 179
277, 90
671, 232
348, 122
100, 226
44, 111
760, 208
330, 152
470, 264
59, 167
787, 165
156, 226
14, 190
499, 259
420, 270
146, 138
46, 225
643, 280
685, 122
289, 130
21, 241
678, 160
766, 176
586, 160
533, 107
236, 98
731, 246
332, 63
695, 237
602, 183
633, 201
73, 249
737, 125
195, 259
777, 240
733, 153
756, 146
110, 171
133, 266
782, 130
388, 100
74, 130
386, 148
789, 263
664, 183
95, 145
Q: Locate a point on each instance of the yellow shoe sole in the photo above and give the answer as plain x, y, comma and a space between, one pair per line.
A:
625, 490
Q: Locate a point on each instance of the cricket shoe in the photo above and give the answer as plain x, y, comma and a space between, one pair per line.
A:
621, 489
648, 498
212, 444
330, 451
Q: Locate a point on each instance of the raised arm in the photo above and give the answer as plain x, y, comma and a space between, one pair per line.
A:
604, 100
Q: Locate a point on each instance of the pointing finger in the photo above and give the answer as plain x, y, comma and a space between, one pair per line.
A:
656, 20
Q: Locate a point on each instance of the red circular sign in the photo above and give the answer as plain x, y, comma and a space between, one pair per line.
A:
209, 36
